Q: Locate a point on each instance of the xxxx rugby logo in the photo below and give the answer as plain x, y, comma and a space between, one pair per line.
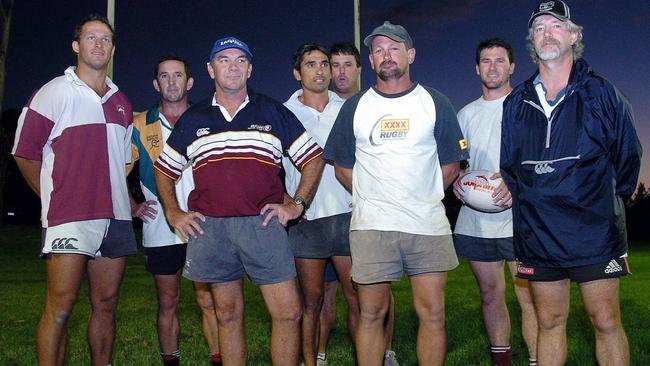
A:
388, 129
63, 243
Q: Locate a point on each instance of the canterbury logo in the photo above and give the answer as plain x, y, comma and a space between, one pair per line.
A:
543, 168
613, 266
202, 131
121, 109
63, 243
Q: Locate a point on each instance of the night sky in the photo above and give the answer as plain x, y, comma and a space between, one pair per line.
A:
445, 33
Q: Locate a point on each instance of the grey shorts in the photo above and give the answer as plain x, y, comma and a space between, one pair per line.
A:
381, 256
321, 238
108, 238
484, 249
232, 246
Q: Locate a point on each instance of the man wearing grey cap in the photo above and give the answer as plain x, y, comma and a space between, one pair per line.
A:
397, 146
570, 156
235, 140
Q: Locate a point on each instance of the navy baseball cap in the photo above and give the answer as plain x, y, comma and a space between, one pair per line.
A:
557, 8
392, 31
230, 42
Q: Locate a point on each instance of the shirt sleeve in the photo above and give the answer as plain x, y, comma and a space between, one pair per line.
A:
298, 144
36, 122
173, 158
449, 138
628, 151
341, 143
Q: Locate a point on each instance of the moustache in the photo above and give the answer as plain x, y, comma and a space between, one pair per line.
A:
388, 63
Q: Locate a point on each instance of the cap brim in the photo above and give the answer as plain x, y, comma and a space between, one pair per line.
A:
368, 40
532, 18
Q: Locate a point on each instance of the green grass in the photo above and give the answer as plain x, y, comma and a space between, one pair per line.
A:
22, 282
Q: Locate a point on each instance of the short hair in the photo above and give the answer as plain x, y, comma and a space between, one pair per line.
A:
578, 47
495, 42
346, 48
188, 70
299, 55
93, 18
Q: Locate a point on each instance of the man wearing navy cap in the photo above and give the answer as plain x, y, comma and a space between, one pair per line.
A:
397, 146
570, 156
235, 221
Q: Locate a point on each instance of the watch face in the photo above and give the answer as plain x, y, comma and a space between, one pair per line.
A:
298, 200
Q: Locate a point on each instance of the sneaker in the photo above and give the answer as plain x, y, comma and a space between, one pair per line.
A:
321, 362
390, 359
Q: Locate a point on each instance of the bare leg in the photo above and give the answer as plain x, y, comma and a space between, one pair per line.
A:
528, 316
552, 307
374, 302
64, 274
343, 266
168, 289
327, 314
283, 302
429, 300
491, 282
602, 304
389, 324
104, 279
228, 298
208, 315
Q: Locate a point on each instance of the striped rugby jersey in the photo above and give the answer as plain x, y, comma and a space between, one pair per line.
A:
236, 164
83, 142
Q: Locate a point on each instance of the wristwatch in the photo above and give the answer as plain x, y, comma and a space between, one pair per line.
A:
299, 201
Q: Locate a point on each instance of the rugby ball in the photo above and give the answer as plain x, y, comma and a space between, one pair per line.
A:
476, 189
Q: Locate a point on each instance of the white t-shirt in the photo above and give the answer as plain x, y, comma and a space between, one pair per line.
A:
331, 197
480, 121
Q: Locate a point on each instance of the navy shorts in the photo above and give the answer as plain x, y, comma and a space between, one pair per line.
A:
484, 249
330, 272
321, 238
232, 246
616, 267
166, 260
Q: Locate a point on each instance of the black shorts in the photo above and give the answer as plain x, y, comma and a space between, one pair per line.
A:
165, 260
484, 249
614, 268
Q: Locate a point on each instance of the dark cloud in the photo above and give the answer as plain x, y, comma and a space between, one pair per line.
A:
417, 12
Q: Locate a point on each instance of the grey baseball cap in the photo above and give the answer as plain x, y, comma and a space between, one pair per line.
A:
556, 8
393, 31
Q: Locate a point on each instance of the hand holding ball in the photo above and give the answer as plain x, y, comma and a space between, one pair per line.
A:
476, 189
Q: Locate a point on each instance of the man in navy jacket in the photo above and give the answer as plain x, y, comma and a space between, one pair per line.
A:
570, 156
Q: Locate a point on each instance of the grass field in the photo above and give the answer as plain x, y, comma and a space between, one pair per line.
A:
22, 291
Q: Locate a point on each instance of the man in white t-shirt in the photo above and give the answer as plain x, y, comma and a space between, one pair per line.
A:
397, 146
164, 247
322, 233
485, 239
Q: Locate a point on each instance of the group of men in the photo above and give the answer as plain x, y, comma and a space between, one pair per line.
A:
365, 175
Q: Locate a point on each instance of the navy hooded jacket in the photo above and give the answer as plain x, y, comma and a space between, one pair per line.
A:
570, 174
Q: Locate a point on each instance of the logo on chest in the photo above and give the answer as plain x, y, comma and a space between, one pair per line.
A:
389, 129
153, 140
203, 131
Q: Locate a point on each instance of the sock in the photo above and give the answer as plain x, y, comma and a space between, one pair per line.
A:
171, 359
501, 355
532, 361
215, 359
321, 356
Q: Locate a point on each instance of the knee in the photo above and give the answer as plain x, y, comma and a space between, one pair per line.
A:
313, 300
373, 312
433, 316
168, 302
492, 293
605, 321
204, 300
289, 313
229, 312
548, 319
104, 303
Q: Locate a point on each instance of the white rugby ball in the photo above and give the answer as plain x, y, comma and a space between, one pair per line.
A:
476, 189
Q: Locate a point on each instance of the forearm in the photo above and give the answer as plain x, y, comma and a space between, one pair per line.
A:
166, 193
310, 177
344, 175
449, 173
31, 171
